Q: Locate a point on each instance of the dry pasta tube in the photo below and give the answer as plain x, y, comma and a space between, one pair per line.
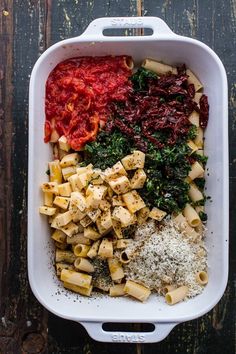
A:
197, 97
61, 153
192, 79
167, 288
48, 199
202, 277
123, 243
176, 295
59, 236
194, 193
199, 138
92, 253
196, 170
192, 146
84, 265
60, 266
194, 118
200, 152
158, 68
76, 278
117, 290
117, 228
136, 290
62, 246
65, 256
191, 215
106, 248
78, 238
55, 171
125, 257
115, 269
190, 233
47, 210
78, 289
128, 63
81, 250
50, 187
180, 221
182, 225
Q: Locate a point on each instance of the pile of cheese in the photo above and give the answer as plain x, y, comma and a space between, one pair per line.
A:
100, 201
163, 256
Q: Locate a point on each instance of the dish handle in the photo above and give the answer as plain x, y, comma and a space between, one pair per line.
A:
96, 331
158, 26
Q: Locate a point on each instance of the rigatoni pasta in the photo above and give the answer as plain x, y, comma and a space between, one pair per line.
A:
116, 269
158, 67
138, 291
78, 289
81, 250
196, 170
192, 79
117, 290
76, 278
199, 138
194, 193
168, 288
176, 295
202, 277
191, 216
84, 264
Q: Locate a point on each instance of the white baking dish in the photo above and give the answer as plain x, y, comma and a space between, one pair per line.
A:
170, 48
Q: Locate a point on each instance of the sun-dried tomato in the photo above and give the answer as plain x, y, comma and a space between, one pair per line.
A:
191, 90
204, 111
164, 105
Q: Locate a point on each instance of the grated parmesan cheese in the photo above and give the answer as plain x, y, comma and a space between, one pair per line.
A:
164, 256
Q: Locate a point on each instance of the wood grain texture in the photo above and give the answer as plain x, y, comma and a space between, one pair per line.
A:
27, 28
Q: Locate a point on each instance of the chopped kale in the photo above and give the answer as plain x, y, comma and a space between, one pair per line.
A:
200, 182
140, 78
166, 170
107, 149
192, 132
82, 164
200, 158
199, 202
179, 98
203, 216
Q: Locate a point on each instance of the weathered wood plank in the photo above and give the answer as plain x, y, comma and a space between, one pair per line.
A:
23, 324
70, 18
6, 57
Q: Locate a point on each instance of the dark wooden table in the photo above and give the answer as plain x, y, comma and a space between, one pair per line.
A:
27, 28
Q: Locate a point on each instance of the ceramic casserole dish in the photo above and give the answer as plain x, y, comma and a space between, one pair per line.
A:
165, 46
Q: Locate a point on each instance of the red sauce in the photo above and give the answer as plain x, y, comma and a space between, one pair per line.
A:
78, 94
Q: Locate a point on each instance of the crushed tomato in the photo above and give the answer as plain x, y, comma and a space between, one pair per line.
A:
78, 96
